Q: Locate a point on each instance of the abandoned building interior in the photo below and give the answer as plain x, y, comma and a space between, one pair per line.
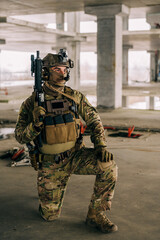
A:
115, 46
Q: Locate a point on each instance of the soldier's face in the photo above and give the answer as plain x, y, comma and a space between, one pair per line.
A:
58, 73
59, 69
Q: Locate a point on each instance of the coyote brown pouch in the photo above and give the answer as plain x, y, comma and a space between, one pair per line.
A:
62, 131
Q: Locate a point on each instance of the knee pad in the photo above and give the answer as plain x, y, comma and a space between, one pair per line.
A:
49, 215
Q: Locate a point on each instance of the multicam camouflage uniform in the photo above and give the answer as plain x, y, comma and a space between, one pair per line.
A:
52, 177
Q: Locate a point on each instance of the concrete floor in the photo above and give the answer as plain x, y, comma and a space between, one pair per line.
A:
136, 204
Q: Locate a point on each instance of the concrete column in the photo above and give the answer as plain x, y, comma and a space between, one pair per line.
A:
124, 101
73, 21
73, 48
125, 55
154, 20
59, 26
125, 64
151, 102
109, 51
60, 21
125, 22
152, 66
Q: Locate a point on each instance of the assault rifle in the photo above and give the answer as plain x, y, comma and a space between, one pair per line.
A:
36, 71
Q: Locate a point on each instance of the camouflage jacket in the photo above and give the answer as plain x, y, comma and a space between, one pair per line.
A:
25, 131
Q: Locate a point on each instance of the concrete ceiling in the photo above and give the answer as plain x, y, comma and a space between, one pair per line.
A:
142, 40
22, 7
23, 35
26, 36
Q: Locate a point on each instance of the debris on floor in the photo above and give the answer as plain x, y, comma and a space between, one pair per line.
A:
18, 157
124, 135
128, 134
117, 130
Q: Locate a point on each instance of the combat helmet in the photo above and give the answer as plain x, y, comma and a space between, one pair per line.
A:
61, 58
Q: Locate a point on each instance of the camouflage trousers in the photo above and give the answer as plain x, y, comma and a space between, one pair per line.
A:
52, 182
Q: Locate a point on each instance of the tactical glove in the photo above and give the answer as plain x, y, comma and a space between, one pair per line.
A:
103, 154
38, 114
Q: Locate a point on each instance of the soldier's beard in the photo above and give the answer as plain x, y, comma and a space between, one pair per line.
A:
56, 79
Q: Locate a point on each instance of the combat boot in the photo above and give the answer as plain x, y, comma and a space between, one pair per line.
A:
99, 220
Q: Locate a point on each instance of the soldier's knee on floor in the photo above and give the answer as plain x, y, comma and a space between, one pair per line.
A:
49, 215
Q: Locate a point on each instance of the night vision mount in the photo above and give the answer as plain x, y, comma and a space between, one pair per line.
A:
64, 57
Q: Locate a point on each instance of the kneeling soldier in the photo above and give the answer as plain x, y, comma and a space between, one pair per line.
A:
62, 151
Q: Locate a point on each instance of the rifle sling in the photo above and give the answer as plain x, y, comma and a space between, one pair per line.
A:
64, 94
